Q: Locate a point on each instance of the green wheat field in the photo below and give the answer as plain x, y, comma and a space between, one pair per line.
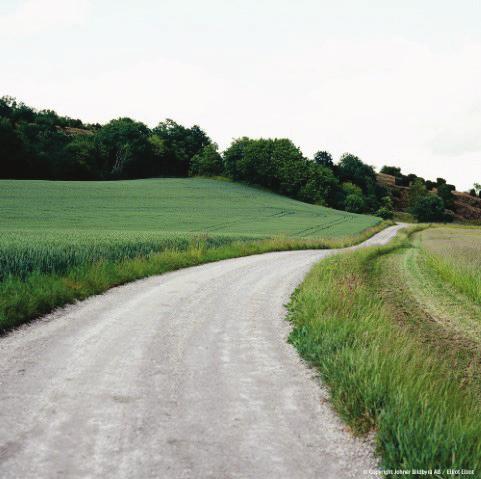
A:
51, 226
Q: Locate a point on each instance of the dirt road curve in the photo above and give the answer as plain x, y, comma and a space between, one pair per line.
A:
185, 375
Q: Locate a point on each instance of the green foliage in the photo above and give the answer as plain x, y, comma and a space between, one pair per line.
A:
279, 165
128, 152
426, 206
208, 162
352, 169
417, 191
13, 159
353, 198
429, 208
386, 211
83, 159
43, 145
180, 145
383, 375
391, 170
354, 203
444, 191
324, 158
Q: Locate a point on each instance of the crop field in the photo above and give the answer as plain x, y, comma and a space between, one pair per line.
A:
53, 228
454, 254
170, 205
458, 245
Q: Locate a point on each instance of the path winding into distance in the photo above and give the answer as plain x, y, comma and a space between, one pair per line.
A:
183, 375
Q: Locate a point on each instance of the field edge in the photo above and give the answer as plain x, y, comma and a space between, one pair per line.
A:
22, 301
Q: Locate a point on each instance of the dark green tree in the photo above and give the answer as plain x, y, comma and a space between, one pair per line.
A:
353, 170
429, 208
13, 158
445, 192
127, 150
180, 145
417, 191
324, 158
83, 159
391, 170
386, 211
208, 162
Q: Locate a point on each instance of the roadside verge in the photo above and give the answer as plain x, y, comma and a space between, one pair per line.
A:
387, 373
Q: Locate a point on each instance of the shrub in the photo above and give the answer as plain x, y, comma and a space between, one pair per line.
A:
385, 213
429, 208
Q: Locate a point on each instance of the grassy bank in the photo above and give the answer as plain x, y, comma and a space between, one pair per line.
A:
390, 365
31, 294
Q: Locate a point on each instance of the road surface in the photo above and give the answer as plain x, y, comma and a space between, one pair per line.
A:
184, 375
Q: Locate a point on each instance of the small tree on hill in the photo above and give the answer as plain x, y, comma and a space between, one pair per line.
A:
324, 158
386, 211
207, 162
477, 188
391, 170
417, 191
353, 201
445, 192
429, 208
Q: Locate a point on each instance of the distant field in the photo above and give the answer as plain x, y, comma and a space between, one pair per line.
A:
174, 205
456, 244
453, 255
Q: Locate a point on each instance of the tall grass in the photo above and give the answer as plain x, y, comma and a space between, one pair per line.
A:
464, 279
381, 376
454, 255
22, 253
52, 273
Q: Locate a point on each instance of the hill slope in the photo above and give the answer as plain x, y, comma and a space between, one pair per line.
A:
185, 205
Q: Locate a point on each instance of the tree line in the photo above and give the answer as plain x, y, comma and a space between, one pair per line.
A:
43, 145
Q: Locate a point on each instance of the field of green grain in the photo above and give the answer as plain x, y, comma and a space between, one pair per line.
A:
169, 205
60, 228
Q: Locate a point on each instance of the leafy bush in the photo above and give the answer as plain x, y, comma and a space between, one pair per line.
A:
385, 213
429, 208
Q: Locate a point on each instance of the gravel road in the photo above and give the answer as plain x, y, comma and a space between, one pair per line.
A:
184, 375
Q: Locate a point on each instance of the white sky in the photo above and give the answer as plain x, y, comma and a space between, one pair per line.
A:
393, 81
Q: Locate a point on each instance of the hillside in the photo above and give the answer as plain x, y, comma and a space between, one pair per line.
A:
183, 205
466, 207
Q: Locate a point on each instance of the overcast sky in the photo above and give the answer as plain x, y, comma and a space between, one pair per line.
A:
393, 81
